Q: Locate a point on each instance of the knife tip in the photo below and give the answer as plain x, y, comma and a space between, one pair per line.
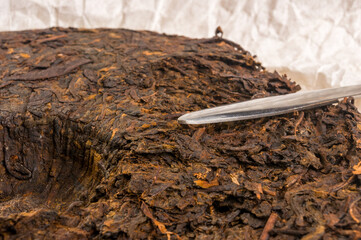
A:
183, 119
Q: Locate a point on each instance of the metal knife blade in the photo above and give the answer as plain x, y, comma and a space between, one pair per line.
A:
270, 106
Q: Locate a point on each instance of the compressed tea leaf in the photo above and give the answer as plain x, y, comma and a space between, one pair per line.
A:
91, 146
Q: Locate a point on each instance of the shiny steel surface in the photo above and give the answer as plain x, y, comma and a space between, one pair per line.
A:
270, 106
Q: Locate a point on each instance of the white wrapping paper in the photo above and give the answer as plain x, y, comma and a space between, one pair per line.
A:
316, 43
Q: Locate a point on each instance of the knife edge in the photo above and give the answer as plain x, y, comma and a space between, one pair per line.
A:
270, 106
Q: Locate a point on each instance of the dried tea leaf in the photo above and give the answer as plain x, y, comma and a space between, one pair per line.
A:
160, 225
357, 169
206, 184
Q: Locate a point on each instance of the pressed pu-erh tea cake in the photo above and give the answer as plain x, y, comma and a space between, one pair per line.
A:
91, 146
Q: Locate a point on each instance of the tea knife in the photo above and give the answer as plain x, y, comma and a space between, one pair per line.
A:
270, 106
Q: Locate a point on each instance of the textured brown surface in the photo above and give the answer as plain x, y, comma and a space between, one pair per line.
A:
90, 145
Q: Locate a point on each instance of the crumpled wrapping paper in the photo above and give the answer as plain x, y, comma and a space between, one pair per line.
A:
316, 43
